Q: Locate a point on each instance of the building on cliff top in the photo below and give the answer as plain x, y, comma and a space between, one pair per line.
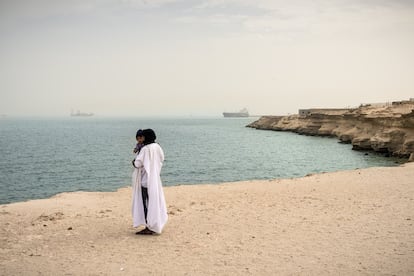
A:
328, 111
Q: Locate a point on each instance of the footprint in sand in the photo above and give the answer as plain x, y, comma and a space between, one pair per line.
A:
51, 217
174, 210
103, 213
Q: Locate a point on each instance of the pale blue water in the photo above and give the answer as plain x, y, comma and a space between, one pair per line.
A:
43, 157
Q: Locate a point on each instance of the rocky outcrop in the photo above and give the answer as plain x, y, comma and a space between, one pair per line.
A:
388, 129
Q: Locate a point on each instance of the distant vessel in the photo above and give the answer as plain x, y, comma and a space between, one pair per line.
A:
80, 114
241, 113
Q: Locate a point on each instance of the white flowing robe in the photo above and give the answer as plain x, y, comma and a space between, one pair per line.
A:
149, 159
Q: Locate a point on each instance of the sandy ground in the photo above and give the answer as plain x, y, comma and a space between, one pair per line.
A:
358, 222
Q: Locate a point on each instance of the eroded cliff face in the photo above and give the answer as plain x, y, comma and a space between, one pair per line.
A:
388, 129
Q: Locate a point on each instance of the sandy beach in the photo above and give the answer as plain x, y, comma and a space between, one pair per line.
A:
358, 222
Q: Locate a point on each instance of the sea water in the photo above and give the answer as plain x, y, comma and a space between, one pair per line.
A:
42, 157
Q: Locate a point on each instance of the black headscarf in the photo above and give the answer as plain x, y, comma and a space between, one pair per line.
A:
149, 135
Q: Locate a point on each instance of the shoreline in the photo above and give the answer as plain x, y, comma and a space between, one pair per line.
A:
399, 162
347, 222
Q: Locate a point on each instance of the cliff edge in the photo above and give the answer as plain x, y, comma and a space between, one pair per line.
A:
386, 128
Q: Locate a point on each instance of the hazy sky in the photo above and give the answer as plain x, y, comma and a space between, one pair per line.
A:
202, 57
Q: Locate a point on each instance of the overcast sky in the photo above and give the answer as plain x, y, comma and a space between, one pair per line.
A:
202, 57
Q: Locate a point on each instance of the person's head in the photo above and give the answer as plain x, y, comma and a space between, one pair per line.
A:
149, 136
139, 136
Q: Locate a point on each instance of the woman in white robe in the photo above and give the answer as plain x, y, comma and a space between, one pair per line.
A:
148, 202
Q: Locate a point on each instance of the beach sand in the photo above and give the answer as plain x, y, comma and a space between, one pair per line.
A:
355, 222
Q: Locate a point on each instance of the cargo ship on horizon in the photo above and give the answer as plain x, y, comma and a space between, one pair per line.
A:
241, 113
80, 114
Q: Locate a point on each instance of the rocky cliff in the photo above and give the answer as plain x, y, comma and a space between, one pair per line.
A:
387, 128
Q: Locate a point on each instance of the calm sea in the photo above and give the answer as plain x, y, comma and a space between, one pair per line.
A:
43, 157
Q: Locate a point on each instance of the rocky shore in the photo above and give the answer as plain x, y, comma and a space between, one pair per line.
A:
386, 128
